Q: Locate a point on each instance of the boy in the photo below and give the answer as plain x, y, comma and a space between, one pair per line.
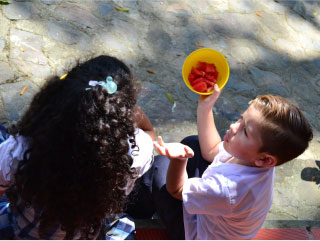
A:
231, 189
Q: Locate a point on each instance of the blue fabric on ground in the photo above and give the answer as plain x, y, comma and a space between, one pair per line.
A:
3, 133
120, 228
6, 220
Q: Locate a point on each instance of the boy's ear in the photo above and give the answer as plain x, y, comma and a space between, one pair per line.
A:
266, 160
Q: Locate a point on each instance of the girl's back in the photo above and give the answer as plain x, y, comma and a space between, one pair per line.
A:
73, 161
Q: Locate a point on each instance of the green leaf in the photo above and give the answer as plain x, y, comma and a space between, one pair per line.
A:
122, 9
170, 97
4, 1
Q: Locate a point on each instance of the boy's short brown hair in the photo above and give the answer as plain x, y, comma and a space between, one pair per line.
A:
285, 131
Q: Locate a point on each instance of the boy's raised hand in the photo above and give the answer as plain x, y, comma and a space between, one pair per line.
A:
206, 101
173, 150
209, 137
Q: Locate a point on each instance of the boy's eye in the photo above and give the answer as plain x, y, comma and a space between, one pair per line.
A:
245, 131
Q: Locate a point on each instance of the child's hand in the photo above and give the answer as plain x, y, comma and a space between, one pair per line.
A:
173, 150
208, 101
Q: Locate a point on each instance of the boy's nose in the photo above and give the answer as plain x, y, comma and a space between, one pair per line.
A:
234, 127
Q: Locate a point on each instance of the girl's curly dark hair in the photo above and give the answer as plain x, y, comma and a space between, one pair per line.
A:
77, 165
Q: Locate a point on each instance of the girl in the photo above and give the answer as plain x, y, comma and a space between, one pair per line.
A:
73, 157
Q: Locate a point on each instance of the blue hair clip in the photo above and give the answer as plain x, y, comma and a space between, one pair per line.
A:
109, 84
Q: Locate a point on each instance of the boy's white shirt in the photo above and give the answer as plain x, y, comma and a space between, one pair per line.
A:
229, 201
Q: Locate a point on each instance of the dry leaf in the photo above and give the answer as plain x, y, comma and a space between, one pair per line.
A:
198, 45
21, 49
62, 6
313, 179
63, 76
259, 14
24, 64
23, 90
150, 72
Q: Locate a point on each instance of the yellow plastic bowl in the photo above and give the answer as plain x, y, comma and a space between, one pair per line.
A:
210, 56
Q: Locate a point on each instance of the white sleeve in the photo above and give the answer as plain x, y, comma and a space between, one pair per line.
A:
11, 152
142, 154
206, 196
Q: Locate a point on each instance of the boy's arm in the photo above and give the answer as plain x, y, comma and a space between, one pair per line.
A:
143, 122
176, 175
209, 137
